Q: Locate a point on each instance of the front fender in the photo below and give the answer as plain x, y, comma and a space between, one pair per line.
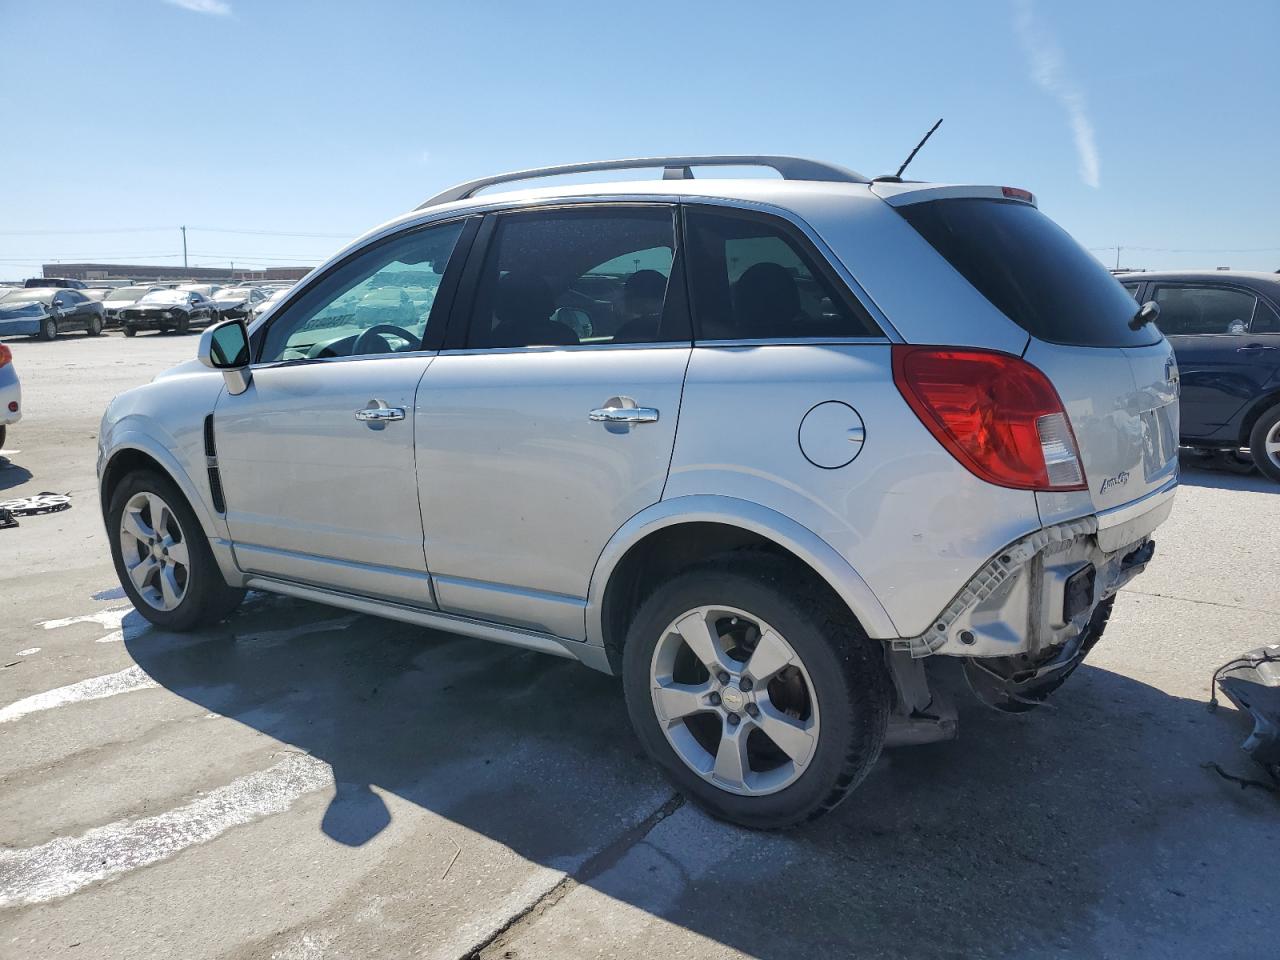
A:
750, 516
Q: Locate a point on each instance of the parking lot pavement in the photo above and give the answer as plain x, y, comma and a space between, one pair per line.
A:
303, 782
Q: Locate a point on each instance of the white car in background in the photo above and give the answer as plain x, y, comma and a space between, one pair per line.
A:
10, 393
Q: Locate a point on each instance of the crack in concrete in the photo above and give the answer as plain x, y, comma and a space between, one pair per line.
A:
595, 865
1209, 603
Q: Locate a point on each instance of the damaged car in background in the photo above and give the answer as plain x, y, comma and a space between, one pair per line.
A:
165, 310
773, 450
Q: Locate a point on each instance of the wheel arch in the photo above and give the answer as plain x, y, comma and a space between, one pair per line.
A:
674, 534
1255, 411
139, 452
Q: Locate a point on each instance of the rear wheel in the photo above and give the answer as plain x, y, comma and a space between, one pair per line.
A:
1264, 443
95, 326
162, 557
3, 430
756, 692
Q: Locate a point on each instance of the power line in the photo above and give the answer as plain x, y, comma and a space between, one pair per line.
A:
1188, 249
260, 233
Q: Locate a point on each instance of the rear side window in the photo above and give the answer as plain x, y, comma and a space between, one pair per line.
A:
1189, 310
753, 278
1265, 319
590, 277
1031, 270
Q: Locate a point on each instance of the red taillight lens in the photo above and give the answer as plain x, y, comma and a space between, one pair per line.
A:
994, 412
6, 355
1017, 193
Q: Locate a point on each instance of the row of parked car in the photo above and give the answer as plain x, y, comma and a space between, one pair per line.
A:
46, 308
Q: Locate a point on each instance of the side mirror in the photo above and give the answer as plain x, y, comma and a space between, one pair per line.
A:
1149, 312
225, 347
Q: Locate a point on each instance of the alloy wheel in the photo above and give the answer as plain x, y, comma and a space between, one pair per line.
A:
1271, 444
154, 551
734, 700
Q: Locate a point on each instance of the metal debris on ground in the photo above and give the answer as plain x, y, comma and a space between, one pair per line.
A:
43, 502
1252, 682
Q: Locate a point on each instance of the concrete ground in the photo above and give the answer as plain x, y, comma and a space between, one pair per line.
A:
302, 783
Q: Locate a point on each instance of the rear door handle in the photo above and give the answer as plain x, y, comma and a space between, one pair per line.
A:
623, 410
1250, 348
379, 412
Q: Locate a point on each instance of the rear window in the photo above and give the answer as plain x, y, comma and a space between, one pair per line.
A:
1031, 270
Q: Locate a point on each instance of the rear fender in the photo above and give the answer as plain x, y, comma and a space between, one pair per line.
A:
820, 556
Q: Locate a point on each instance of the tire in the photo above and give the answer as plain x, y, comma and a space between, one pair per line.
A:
128, 331
183, 326
835, 686
3, 430
95, 326
1264, 443
48, 329
200, 595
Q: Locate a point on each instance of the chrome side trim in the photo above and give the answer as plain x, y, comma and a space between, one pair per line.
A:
481, 630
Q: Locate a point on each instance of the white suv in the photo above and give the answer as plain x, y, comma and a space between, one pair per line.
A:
768, 448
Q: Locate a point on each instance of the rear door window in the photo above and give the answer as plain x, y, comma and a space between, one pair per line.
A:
590, 276
1031, 270
1187, 310
1265, 319
753, 277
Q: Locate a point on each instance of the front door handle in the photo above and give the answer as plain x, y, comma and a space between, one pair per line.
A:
623, 410
1250, 348
378, 412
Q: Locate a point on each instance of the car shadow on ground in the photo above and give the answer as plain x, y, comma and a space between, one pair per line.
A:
1199, 471
12, 475
1084, 830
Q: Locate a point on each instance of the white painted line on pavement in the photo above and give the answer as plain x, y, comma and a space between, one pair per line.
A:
111, 637
302, 630
27, 652
107, 619
63, 866
95, 688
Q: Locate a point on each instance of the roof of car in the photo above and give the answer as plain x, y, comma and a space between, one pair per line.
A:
1223, 275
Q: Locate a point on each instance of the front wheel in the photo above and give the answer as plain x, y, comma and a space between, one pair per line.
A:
48, 329
183, 325
162, 556
755, 690
1264, 443
3, 430
128, 331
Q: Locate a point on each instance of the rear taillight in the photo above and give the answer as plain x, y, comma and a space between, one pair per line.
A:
994, 412
6, 355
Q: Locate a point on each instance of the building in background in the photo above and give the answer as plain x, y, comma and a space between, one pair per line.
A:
135, 271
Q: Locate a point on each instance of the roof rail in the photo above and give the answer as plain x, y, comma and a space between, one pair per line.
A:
673, 168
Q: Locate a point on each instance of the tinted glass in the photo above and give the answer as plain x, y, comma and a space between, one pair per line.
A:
377, 302
1199, 310
1132, 289
570, 277
753, 279
1265, 319
1031, 270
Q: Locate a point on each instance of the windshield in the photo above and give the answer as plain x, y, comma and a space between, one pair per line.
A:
127, 293
165, 296
1031, 270
39, 295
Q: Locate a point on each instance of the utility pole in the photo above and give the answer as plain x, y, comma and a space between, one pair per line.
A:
1117, 256
184, 248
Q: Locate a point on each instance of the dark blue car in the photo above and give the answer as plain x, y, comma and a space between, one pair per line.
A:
1225, 330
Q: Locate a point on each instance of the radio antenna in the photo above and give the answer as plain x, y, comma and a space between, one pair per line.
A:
913, 153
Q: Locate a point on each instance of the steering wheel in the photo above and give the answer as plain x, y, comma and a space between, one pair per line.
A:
364, 342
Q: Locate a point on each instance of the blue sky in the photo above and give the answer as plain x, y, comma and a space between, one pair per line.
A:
276, 129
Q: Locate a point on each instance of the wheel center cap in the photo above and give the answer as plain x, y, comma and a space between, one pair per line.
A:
733, 698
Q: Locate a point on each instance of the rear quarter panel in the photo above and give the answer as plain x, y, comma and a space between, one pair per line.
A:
911, 521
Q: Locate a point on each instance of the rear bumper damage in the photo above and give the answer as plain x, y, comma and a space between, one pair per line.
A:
1027, 619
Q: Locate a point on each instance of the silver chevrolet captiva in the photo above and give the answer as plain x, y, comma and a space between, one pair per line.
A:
780, 451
